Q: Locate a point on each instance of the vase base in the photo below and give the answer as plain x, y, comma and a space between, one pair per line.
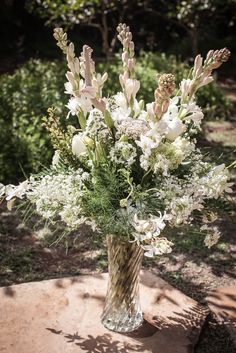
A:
121, 324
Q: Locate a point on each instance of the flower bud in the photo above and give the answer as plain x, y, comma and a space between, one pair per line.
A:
150, 109
197, 69
131, 88
131, 46
78, 146
126, 43
123, 203
88, 141
222, 55
166, 84
77, 66
125, 57
71, 50
70, 78
141, 104
130, 65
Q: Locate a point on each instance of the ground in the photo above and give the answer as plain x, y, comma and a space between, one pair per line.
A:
27, 252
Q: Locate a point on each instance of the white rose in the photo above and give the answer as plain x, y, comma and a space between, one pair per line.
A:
175, 127
78, 146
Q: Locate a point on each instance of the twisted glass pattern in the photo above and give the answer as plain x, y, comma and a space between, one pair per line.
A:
122, 312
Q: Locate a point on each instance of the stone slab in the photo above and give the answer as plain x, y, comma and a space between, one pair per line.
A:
222, 302
63, 316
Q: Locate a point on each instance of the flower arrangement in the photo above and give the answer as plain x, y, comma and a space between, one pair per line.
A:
122, 166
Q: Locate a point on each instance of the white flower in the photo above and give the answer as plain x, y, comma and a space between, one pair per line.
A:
161, 164
193, 113
149, 228
99, 81
212, 236
69, 88
123, 153
78, 104
147, 144
119, 114
183, 147
19, 191
92, 223
78, 146
198, 69
181, 208
96, 126
131, 88
185, 87
120, 100
175, 127
213, 184
74, 105
133, 128
173, 108
59, 194
159, 246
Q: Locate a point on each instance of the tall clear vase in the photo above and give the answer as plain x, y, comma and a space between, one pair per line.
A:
122, 312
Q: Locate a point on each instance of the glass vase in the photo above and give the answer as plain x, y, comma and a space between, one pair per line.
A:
122, 312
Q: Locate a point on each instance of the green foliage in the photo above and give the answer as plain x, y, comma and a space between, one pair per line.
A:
102, 200
60, 137
24, 99
63, 12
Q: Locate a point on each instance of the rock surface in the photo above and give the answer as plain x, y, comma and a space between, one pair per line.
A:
222, 302
63, 316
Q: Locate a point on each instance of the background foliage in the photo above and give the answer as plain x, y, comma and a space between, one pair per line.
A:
24, 98
33, 73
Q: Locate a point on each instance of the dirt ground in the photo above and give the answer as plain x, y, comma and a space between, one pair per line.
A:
27, 252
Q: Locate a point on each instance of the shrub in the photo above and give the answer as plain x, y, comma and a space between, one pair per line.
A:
24, 98
26, 94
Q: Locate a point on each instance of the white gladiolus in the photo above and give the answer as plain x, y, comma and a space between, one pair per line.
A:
78, 146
